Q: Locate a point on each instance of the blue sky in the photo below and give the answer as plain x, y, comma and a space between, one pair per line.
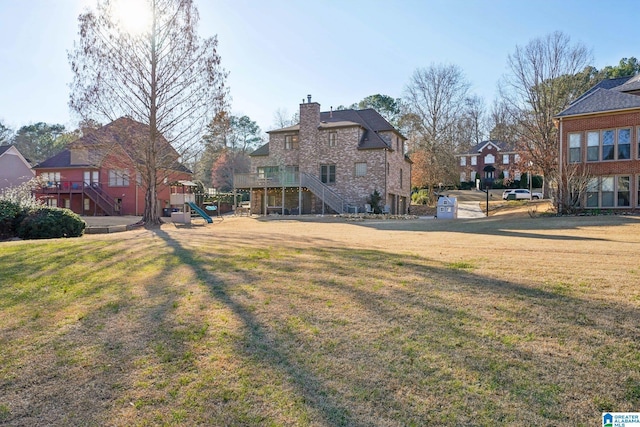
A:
340, 51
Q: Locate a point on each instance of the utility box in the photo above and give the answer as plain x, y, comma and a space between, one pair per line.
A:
447, 208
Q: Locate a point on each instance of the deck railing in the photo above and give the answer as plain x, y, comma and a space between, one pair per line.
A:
293, 179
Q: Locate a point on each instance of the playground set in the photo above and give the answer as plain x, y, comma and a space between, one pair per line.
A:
183, 204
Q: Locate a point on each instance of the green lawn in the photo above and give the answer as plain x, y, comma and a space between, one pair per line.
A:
323, 323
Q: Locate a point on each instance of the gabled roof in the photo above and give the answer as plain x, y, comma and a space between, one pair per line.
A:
60, 160
632, 84
368, 119
6, 148
122, 132
500, 146
603, 84
602, 100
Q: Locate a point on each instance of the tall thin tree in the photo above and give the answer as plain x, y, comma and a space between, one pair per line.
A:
543, 79
161, 74
435, 99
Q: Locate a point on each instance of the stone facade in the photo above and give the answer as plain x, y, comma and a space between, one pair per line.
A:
345, 143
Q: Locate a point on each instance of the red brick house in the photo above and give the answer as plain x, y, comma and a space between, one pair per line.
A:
96, 174
330, 162
499, 154
600, 134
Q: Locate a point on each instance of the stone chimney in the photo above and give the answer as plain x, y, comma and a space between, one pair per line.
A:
309, 118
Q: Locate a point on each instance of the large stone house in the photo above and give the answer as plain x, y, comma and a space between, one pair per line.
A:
96, 174
600, 136
14, 168
330, 162
498, 154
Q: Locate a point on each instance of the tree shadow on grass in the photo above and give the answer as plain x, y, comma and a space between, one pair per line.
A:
263, 345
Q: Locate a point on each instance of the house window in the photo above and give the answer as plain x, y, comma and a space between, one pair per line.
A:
67, 203
624, 191
624, 144
361, 169
609, 192
333, 138
608, 145
505, 159
463, 161
474, 160
505, 174
592, 193
400, 178
474, 174
52, 178
118, 178
575, 144
90, 177
290, 176
267, 171
489, 159
463, 177
516, 158
593, 146
87, 204
52, 203
290, 142
328, 174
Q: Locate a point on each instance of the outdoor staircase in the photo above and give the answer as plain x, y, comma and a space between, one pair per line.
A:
100, 198
324, 193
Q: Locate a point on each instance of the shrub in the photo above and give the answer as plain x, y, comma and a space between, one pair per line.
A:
421, 197
10, 212
49, 223
374, 200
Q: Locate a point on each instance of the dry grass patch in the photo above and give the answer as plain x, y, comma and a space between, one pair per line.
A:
324, 322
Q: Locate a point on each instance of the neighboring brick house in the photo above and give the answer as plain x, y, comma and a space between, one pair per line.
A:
14, 168
336, 157
95, 174
499, 154
600, 133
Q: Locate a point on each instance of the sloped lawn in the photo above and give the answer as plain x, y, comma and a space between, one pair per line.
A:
324, 322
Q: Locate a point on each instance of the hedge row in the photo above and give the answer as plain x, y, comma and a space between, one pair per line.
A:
38, 223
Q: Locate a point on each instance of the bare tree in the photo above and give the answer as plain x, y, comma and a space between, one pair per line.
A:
435, 99
574, 180
472, 124
542, 81
164, 76
282, 118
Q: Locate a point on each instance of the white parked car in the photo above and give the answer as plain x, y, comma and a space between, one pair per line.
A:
521, 194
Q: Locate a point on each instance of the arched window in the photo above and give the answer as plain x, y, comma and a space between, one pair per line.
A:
489, 159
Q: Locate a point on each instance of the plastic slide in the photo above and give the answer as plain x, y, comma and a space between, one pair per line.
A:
200, 212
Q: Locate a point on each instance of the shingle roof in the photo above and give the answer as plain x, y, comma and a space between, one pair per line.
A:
632, 84
60, 160
603, 84
368, 119
262, 151
4, 148
501, 145
123, 132
602, 100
